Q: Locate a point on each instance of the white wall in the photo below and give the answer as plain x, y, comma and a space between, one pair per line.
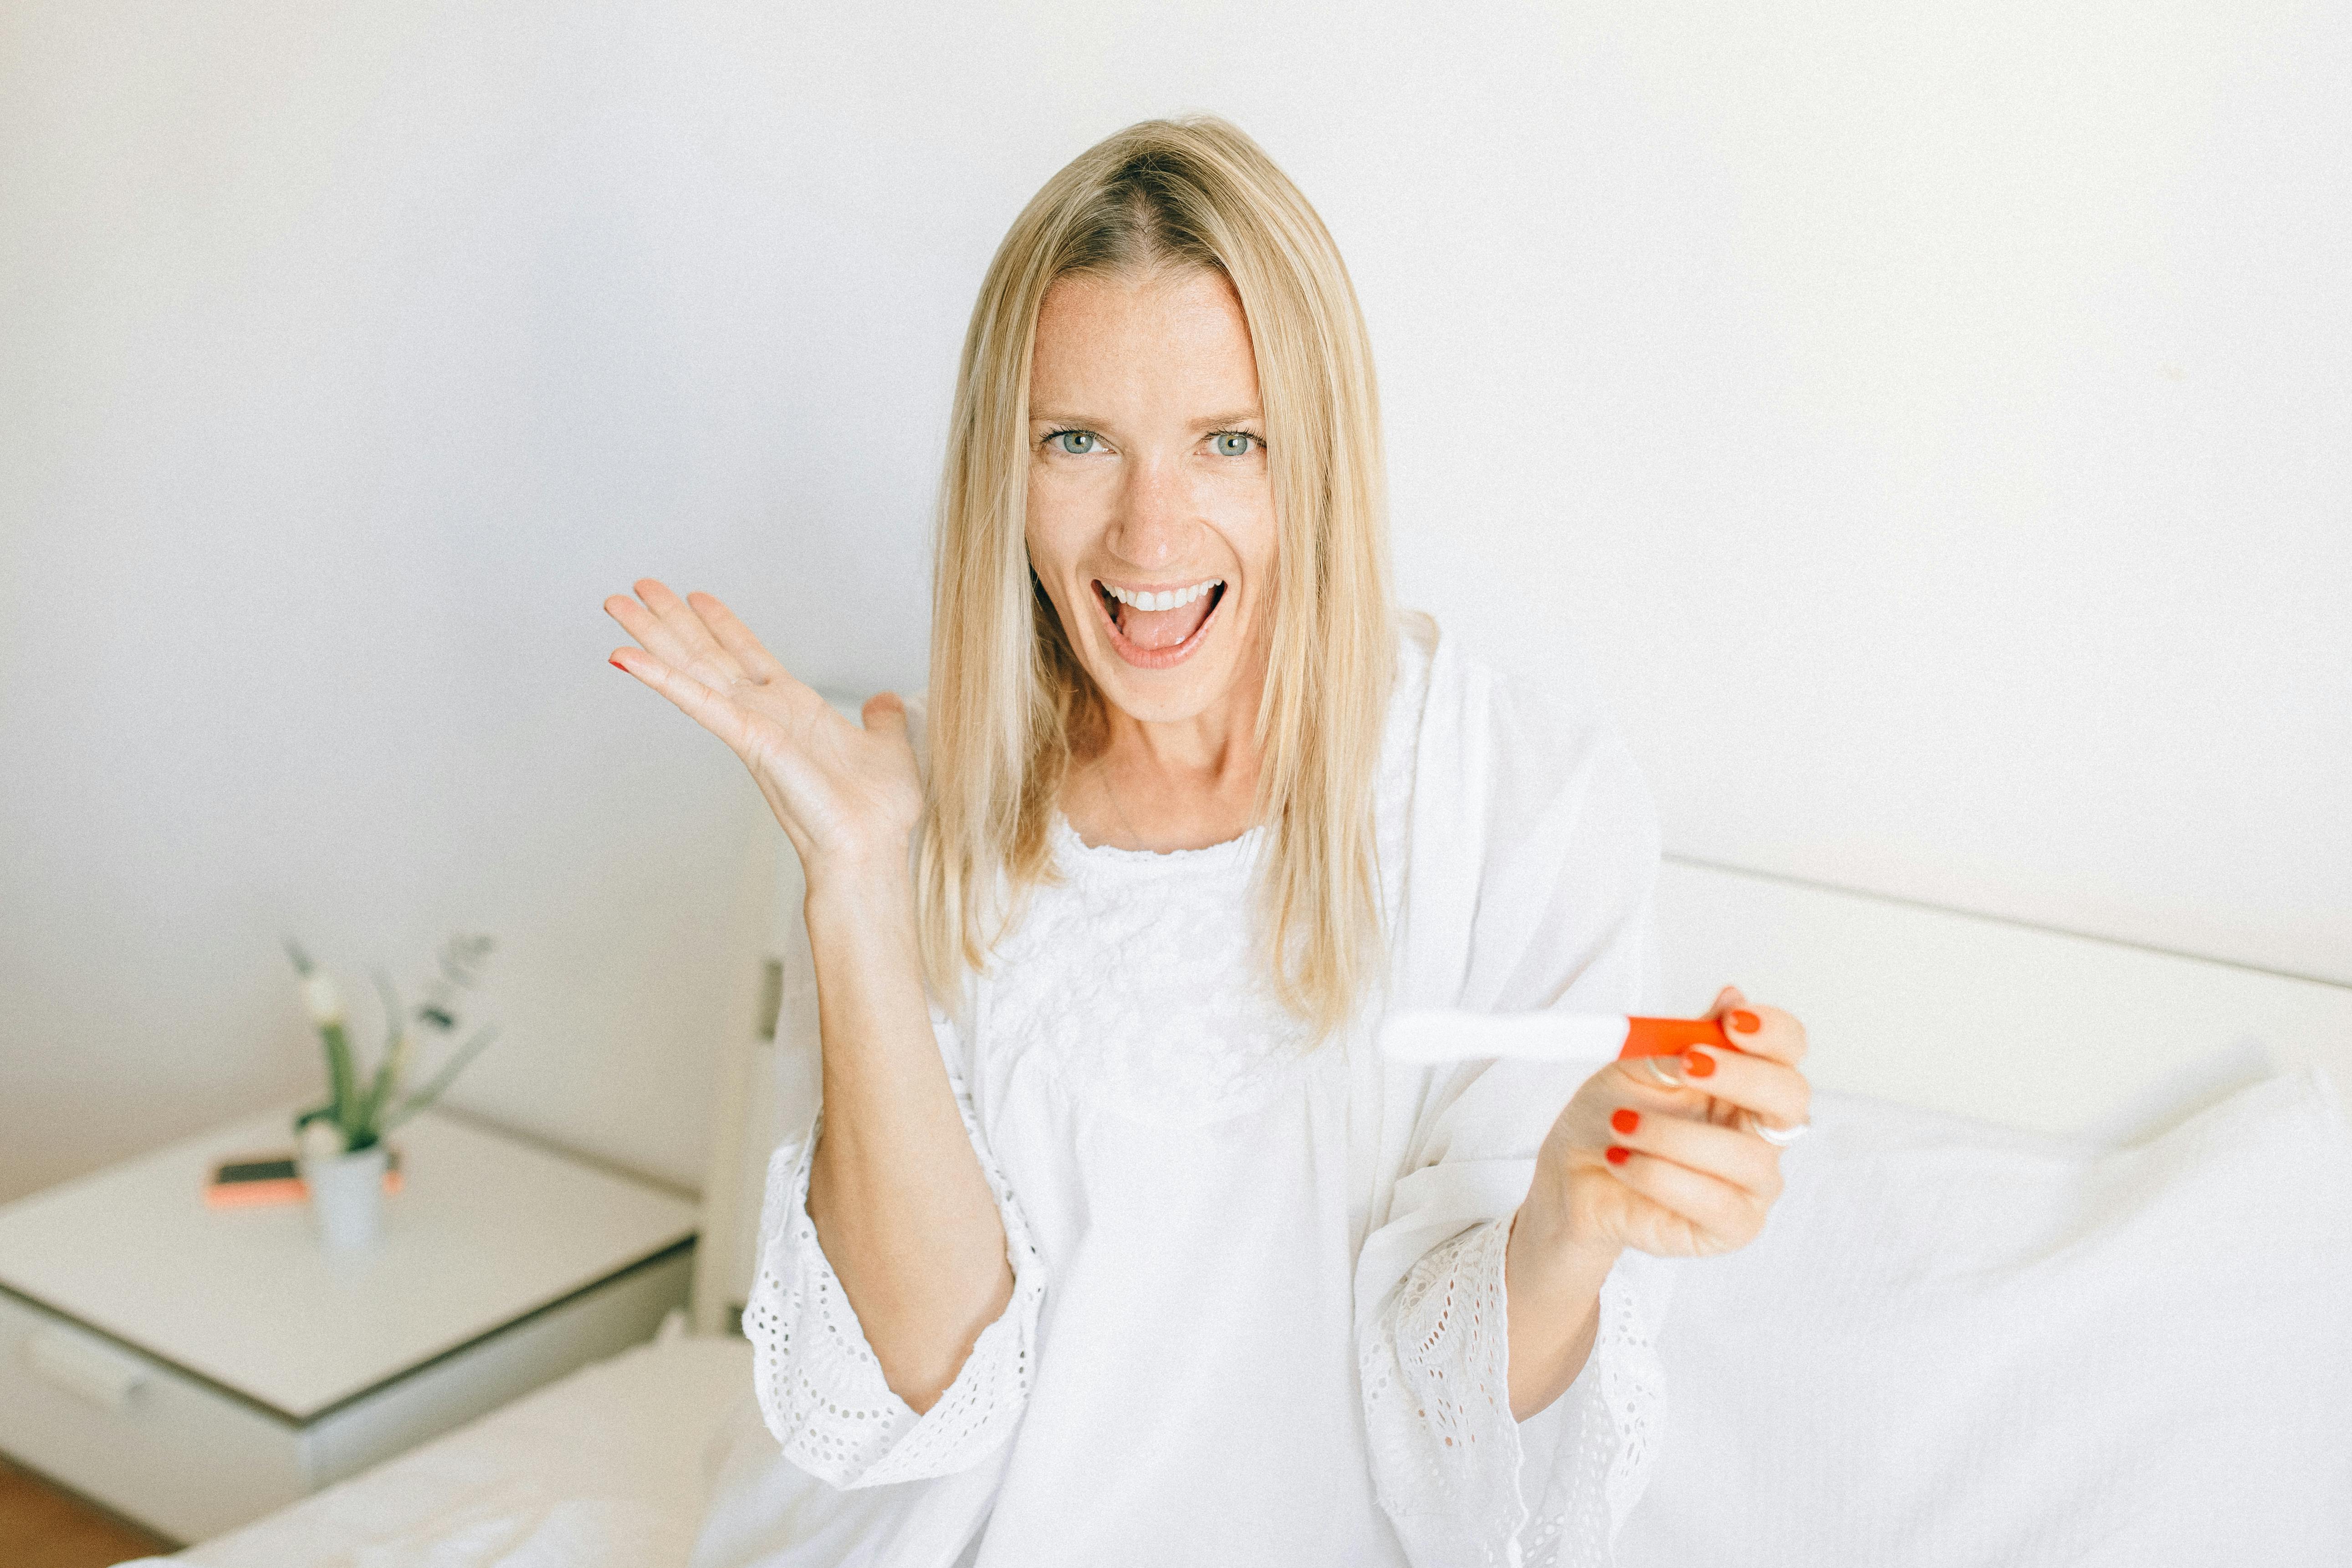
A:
349, 356
1941, 413
1927, 426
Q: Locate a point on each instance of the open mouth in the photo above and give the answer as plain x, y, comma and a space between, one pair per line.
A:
1154, 627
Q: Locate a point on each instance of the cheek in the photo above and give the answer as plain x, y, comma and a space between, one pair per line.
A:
1047, 524
1242, 506
1065, 512
1255, 537
1055, 532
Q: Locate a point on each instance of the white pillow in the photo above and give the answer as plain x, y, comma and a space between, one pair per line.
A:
1955, 1344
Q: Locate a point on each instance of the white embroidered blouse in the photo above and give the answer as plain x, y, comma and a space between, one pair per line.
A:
1258, 1311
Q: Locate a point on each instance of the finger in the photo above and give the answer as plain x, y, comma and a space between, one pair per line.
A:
691, 646
737, 639
1729, 1214
1776, 1092
884, 714
1763, 1031
1658, 1082
698, 702
655, 636
1728, 1155
708, 660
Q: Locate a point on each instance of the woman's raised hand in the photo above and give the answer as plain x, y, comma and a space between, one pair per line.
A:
847, 798
1661, 1153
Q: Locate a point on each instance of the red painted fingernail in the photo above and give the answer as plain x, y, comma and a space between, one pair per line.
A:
1746, 1022
1698, 1064
1618, 1155
616, 664
1625, 1120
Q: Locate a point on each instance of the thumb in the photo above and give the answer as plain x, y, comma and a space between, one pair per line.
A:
884, 714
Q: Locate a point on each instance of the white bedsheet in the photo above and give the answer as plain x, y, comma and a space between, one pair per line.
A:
604, 1468
1954, 1346
1960, 1347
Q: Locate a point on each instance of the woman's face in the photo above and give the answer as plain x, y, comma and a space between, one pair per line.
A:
1148, 488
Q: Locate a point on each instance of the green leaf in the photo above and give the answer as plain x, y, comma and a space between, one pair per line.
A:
462, 957
441, 1080
391, 1003
338, 1072
387, 1067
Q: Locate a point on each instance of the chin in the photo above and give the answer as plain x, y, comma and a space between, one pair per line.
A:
1161, 697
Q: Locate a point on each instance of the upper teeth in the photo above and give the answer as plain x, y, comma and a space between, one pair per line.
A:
1174, 598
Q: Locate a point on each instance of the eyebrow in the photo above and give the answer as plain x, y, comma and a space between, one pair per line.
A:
1082, 422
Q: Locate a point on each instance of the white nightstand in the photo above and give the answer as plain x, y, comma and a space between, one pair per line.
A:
195, 1368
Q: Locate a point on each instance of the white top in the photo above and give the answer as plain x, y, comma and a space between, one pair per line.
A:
1258, 1311
484, 1229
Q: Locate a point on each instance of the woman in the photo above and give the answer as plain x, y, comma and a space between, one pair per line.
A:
1115, 1241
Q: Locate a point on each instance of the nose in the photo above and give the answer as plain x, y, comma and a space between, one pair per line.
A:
1156, 517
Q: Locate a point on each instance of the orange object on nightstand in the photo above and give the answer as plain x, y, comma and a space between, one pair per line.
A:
250, 1181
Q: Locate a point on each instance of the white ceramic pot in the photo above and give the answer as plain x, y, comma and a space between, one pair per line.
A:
347, 1197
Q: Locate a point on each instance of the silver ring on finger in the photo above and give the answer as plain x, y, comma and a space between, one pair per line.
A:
1779, 1137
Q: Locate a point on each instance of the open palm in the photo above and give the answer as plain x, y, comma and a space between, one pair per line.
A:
843, 795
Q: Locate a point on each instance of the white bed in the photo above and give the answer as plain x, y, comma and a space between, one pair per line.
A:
2021, 1304
607, 1466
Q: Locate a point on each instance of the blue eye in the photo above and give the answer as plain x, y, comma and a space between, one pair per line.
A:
1233, 443
1077, 443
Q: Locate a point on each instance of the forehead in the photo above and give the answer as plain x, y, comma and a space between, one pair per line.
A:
1137, 342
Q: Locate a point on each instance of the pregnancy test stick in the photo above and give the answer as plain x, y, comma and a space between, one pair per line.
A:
1574, 1037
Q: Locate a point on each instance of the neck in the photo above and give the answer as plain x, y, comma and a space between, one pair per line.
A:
1179, 783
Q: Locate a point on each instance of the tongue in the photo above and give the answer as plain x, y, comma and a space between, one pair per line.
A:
1163, 629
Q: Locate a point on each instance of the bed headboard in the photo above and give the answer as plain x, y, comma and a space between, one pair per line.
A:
1982, 1018
1929, 1008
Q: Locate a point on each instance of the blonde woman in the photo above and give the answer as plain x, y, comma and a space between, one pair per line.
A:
1115, 1241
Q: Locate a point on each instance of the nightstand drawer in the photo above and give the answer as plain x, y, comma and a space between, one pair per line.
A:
141, 1437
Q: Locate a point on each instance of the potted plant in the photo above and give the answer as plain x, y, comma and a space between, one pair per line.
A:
341, 1144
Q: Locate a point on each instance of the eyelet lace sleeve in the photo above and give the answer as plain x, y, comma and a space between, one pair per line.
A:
1454, 1470
821, 1389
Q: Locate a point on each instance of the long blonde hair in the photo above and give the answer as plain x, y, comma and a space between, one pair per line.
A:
1008, 696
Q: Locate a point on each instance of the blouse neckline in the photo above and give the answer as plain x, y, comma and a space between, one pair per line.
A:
1075, 852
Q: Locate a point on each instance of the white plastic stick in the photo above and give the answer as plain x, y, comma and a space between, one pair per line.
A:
1440, 1037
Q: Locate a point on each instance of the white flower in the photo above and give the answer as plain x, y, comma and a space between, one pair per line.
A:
324, 999
322, 1140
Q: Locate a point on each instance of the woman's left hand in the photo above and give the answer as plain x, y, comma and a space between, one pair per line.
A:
1656, 1153
1662, 1153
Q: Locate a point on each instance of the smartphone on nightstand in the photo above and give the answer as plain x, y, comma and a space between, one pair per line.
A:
246, 1180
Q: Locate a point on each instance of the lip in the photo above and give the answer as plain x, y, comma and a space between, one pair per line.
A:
1158, 658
